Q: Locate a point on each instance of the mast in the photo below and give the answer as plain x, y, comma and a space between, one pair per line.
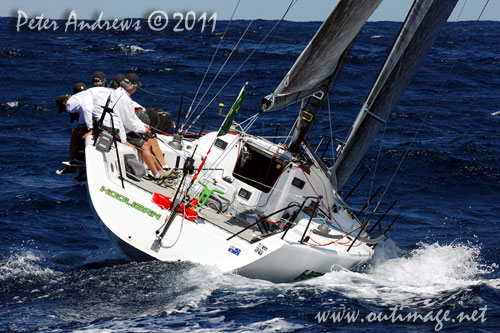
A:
419, 31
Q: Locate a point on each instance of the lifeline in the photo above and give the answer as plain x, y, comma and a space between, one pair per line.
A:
135, 205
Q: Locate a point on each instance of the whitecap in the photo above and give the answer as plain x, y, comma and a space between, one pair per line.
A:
377, 36
497, 113
199, 283
416, 279
13, 104
277, 324
132, 49
495, 283
22, 265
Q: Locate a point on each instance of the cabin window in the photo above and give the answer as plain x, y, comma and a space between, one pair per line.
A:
257, 168
221, 144
298, 183
245, 194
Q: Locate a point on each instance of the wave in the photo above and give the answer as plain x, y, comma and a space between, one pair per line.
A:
132, 49
186, 296
23, 265
427, 276
13, 104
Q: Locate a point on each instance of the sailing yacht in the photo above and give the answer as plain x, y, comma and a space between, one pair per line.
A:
247, 205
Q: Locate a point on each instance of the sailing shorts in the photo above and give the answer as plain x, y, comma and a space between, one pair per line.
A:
81, 129
136, 139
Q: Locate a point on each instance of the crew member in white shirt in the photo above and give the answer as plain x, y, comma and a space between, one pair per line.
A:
79, 103
132, 126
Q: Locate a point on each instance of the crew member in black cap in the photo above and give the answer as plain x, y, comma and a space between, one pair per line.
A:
99, 79
134, 130
115, 83
79, 109
78, 87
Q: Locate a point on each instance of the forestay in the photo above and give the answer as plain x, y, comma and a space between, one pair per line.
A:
421, 28
319, 60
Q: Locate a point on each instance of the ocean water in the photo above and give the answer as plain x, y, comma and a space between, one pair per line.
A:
58, 272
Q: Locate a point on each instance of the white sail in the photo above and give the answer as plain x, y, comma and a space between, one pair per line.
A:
420, 29
319, 60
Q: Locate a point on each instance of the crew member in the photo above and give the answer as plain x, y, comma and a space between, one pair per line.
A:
79, 108
132, 129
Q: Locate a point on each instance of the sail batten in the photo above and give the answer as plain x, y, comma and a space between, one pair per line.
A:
416, 37
320, 59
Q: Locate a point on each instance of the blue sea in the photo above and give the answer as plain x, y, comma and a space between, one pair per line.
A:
58, 271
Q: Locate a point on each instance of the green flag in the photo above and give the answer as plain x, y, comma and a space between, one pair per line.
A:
229, 118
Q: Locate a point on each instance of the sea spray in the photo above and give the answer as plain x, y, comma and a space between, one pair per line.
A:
417, 279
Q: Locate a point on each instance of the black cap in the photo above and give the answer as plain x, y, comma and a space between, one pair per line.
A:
79, 86
115, 83
133, 78
98, 77
61, 102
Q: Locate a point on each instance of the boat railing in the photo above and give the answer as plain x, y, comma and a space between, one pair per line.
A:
289, 223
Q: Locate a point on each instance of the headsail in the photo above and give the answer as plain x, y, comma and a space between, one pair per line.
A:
317, 63
420, 29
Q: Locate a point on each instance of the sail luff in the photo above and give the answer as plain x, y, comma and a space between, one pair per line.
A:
315, 66
419, 32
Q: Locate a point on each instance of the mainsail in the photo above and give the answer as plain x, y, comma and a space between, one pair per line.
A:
420, 29
319, 60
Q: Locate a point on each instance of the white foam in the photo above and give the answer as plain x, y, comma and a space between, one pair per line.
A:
497, 113
23, 264
495, 283
415, 279
13, 104
132, 49
277, 324
377, 36
200, 281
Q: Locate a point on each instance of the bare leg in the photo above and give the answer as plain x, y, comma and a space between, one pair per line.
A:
155, 147
150, 160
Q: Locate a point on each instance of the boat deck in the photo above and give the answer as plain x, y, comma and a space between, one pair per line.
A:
226, 222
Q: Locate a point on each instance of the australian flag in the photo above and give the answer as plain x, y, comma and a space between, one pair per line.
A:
234, 250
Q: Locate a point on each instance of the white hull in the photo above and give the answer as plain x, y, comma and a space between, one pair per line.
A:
133, 219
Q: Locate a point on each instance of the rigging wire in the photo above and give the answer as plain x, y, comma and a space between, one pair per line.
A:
223, 65
332, 86
436, 98
461, 10
162, 95
331, 138
292, 3
210, 65
375, 169
239, 68
291, 130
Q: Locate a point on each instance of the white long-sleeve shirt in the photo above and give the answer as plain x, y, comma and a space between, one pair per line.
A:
99, 97
81, 103
124, 107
